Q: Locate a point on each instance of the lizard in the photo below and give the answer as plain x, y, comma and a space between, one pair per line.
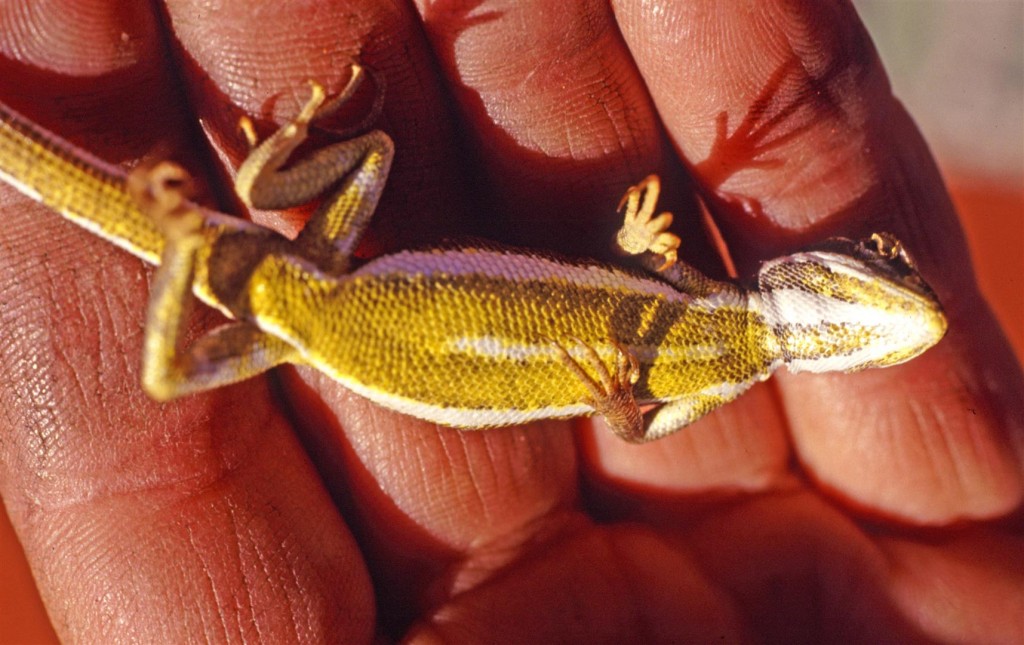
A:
466, 335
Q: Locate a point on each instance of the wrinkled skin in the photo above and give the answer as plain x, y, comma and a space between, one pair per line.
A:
883, 504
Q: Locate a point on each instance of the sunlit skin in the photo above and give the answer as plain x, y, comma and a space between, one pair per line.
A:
795, 512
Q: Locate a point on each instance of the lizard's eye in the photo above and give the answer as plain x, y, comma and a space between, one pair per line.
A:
887, 246
881, 253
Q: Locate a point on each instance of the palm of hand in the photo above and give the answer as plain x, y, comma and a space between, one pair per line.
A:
796, 512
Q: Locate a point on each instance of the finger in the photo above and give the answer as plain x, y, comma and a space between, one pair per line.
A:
963, 588
556, 123
438, 511
840, 583
468, 503
561, 124
742, 447
798, 570
141, 521
382, 473
788, 122
605, 585
237, 62
755, 91
419, 496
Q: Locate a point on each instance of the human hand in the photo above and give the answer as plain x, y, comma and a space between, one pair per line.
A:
816, 507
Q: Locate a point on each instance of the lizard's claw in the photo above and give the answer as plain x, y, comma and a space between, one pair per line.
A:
643, 231
296, 129
317, 106
312, 108
248, 131
323, 108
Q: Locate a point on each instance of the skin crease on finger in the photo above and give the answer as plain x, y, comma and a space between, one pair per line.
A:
501, 535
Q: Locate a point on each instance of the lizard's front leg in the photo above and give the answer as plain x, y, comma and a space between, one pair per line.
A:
231, 353
359, 167
641, 229
611, 390
646, 235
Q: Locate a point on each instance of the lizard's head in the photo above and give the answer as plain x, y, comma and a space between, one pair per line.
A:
848, 305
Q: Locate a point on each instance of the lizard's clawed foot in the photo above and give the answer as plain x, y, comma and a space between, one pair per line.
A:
643, 231
611, 393
296, 129
161, 191
316, 107
266, 179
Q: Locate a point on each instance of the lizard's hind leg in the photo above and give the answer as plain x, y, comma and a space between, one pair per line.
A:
350, 175
231, 353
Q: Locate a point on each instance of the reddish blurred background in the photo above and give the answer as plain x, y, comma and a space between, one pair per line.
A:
959, 68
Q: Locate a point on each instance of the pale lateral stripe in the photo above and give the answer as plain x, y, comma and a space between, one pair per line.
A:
722, 299
796, 307
480, 417
121, 243
515, 267
466, 418
78, 220
463, 418
686, 352
22, 187
859, 358
495, 347
725, 389
849, 266
460, 417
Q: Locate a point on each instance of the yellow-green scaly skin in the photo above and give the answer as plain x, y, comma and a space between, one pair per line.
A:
468, 332
478, 337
